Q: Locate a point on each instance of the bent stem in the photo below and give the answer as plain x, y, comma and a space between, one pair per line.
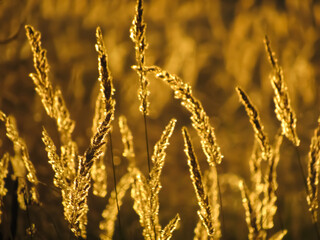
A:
315, 225
115, 183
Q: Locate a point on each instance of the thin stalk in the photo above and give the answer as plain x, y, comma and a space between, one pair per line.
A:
306, 189
147, 142
221, 206
115, 183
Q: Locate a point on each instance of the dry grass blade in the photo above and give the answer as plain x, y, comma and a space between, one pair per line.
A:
110, 213
138, 36
4, 162
199, 118
205, 212
313, 173
166, 233
281, 99
256, 124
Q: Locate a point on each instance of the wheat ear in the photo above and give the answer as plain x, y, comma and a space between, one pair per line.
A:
284, 112
205, 212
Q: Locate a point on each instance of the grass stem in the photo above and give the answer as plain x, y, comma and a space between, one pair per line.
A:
115, 184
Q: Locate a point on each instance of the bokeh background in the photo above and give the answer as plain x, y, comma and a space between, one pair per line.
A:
212, 45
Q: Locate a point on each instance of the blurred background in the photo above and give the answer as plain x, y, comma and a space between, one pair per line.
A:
212, 45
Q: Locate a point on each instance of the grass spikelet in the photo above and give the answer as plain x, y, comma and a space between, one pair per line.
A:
158, 158
145, 192
256, 123
76, 203
313, 173
20, 147
57, 165
255, 231
255, 169
211, 185
127, 138
4, 162
270, 187
110, 212
138, 36
281, 99
21, 163
199, 118
140, 193
52, 100
99, 173
166, 233
205, 212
